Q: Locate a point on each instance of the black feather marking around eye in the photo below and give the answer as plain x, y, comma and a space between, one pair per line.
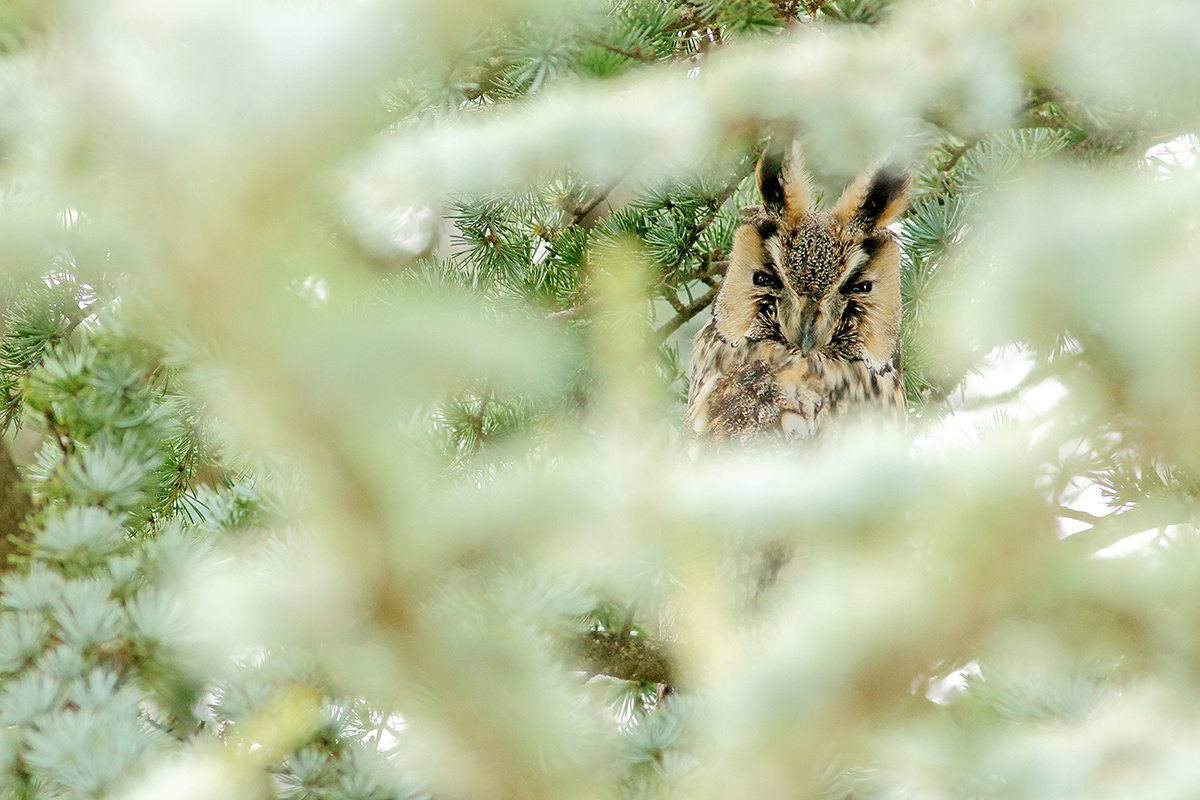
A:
766, 278
847, 328
767, 228
768, 321
855, 283
770, 180
884, 188
870, 246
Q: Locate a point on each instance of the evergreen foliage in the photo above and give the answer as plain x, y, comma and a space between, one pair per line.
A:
344, 353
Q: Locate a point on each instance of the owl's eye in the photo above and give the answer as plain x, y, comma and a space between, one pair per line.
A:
862, 287
767, 280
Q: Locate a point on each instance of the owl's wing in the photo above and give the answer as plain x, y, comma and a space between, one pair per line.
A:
818, 395
771, 392
707, 371
732, 398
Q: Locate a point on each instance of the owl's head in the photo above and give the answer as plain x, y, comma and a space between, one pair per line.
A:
820, 281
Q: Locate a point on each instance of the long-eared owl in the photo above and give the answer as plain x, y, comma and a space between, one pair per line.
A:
806, 326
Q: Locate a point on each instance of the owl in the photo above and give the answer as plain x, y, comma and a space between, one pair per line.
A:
805, 329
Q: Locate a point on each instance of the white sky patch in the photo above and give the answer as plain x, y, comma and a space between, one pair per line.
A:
314, 289
69, 217
996, 390
1179, 153
1130, 545
1145, 542
990, 392
388, 739
1082, 495
944, 689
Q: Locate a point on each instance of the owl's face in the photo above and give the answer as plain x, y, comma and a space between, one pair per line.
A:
824, 282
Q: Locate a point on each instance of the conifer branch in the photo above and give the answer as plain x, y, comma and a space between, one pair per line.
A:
631, 658
672, 300
574, 312
684, 316
582, 212
1108, 530
956, 154
636, 54
1080, 516
15, 507
59, 433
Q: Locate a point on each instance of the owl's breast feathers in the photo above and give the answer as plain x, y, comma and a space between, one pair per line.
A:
764, 390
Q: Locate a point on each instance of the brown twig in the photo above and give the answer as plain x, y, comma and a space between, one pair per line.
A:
574, 312
712, 269
685, 315
60, 435
581, 212
1080, 516
627, 623
1110, 529
636, 55
956, 153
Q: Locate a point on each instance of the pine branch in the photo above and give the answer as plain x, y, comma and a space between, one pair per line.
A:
714, 204
1108, 530
1081, 516
61, 437
15, 507
627, 623
956, 154
631, 658
581, 212
574, 312
685, 315
711, 270
636, 54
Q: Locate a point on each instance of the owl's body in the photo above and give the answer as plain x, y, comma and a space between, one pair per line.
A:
763, 389
806, 325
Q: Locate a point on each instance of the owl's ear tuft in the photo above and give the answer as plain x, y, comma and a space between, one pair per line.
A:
876, 199
770, 180
784, 184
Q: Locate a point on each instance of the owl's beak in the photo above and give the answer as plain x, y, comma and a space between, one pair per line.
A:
808, 341
808, 336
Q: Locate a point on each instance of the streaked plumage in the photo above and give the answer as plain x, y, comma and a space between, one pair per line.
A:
806, 325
